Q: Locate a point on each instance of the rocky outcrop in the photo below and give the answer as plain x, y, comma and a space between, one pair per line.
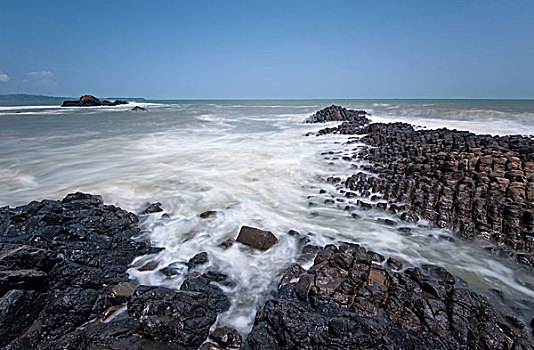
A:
63, 273
348, 300
477, 185
91, 101
256, 238
336, 113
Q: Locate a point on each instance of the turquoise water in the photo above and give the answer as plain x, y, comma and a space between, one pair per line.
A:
250, 161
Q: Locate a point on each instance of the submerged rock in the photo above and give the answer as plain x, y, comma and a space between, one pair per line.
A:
197, 260
208, 214
256, 238
139, 109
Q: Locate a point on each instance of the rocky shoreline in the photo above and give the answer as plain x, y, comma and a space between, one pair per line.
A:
480, 186
64, 281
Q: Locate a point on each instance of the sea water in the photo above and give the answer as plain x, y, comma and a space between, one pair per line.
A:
250, 162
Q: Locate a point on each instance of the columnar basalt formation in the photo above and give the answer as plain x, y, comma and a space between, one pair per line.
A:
477, 185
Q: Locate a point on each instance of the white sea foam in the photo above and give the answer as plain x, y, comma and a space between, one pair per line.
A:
252, 165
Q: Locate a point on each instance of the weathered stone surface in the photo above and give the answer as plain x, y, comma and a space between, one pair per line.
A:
121, 293
227, 337
344, 301
63, 265
182, 317
256, 238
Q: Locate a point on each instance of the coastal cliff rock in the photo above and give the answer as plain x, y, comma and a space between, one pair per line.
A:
91, 101
477, 185
63, 272
348, 301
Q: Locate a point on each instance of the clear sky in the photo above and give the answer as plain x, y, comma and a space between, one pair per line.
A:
269, 49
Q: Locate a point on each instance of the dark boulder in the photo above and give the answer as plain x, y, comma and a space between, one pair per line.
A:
256, 238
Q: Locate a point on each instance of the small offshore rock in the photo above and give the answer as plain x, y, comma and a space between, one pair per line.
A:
256, 238
139, 109
208, 214
91, 101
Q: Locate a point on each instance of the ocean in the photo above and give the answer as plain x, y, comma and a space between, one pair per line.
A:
250, 162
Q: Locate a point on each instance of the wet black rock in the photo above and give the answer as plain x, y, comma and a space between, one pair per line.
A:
477, 185
337, 113
197, 260
227, 337
91, 101
139, 109
216, 299
166, 315
256, 238
208, 214
152, 208
63, 265
175, 268
344, 301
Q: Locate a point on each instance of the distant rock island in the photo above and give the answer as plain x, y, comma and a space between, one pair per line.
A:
91, 101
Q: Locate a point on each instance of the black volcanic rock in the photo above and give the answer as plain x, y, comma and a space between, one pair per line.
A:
63, 269
91, 101
344, 301
476, 185
337, 113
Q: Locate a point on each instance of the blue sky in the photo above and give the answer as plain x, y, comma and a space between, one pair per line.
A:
269, 49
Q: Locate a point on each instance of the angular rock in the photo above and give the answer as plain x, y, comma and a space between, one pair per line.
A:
256, 238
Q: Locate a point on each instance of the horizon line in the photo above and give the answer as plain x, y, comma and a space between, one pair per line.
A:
290, 99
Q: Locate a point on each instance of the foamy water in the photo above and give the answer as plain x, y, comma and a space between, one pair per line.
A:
249, 161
